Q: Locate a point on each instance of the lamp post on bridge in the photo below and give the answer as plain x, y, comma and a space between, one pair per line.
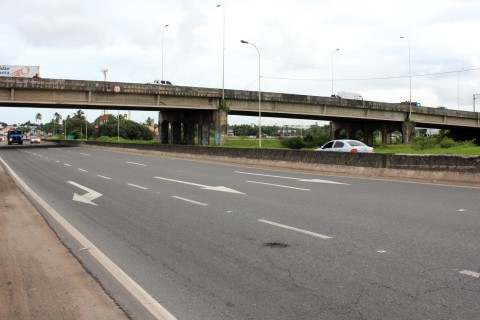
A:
410, 78
259, 96
163, 34
223, 55
332, 67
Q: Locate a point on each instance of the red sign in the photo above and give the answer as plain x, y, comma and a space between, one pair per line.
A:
117, 88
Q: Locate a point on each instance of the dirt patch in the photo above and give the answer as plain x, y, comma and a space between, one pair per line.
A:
39, 277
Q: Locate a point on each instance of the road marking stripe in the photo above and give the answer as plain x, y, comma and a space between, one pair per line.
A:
293, 178
265, 175
152, 305
138, 164
103, 177
188, 200
83, 170
84, 154
66, 164
137, 186
278, 185
470, 273
318, 235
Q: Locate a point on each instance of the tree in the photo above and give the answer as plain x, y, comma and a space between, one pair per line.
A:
79, 114
38, 117
150, 122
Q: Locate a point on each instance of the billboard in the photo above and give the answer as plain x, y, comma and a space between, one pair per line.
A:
19, 71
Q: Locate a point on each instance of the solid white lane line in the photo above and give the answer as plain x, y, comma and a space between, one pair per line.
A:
83, 170
152, 305
191, 201
137, 186
137, 164
278, 185
470, 273
103, 177
318, 235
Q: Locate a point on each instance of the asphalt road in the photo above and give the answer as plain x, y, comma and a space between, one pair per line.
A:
210, 241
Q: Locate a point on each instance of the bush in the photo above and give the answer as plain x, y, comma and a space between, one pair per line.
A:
422, 143
316, 140
447, 143
293, 143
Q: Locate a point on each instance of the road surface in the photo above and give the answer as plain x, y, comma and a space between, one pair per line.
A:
210, 241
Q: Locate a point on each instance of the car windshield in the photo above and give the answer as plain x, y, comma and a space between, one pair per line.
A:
357, 144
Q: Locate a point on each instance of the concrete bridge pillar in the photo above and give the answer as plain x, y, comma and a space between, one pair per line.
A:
177, 132
178, 126
220, 120
408, 131
204, 133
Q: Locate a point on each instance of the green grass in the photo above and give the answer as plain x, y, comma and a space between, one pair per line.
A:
409, 149
253, 143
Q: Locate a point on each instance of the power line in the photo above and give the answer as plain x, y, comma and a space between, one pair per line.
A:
375, 78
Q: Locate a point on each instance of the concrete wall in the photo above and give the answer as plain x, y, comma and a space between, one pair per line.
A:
453, 168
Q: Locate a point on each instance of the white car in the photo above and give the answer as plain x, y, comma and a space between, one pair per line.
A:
345, 146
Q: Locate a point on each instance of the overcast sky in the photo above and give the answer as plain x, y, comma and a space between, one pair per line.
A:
297, 41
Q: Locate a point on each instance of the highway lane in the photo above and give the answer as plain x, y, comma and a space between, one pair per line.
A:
286, 246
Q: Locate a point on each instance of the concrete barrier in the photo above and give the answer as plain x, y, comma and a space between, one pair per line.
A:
455, 168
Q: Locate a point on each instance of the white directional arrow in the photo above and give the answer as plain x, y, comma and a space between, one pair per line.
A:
219, 188
87, 197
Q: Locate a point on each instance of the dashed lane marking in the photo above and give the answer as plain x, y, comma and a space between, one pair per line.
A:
318, 235
103, 177
278, 185
191, 201
137, 186
137, 164
470, 273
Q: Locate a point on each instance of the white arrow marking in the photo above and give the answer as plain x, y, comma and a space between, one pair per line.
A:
292, 178
219, 188
87, 197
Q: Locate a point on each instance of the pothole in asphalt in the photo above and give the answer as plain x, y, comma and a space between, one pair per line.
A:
275, 245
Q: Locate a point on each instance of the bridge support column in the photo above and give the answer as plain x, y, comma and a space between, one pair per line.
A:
220, 120
178, 126
408, 131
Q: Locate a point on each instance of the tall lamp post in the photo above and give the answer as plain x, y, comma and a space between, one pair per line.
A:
259, 96
223, 55
332, 67
410, 78
163, 33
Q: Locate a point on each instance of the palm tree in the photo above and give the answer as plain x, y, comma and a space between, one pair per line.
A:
79, 114
57, 118
150, 122
38, 117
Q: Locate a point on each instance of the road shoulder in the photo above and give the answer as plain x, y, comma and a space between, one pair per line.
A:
39, 277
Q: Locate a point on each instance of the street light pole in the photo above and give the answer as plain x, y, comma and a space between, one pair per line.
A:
223, 55
163, 33
332, 67
410, 77
458, 88
259, 95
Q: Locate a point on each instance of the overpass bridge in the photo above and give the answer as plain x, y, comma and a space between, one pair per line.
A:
186, 110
